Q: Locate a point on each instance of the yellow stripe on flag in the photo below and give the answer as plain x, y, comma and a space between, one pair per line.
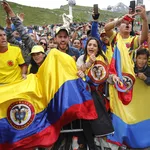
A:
138, 109
40, 88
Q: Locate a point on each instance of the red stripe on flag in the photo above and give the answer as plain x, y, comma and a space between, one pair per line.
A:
49, 135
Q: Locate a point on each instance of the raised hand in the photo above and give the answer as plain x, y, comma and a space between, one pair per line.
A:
140, 10
21, 16
92, 58
95, 16
8, 9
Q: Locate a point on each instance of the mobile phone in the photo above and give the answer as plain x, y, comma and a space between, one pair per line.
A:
95, 7
139, 2
132, 5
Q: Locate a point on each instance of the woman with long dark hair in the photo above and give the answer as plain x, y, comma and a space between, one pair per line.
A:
93, 66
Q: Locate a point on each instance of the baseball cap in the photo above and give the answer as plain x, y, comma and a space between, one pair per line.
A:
62, 28
37, 49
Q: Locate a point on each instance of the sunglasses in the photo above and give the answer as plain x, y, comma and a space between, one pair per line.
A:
41, 43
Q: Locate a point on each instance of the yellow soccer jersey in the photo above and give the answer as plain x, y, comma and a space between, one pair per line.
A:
132, 42
109, 53
10, 60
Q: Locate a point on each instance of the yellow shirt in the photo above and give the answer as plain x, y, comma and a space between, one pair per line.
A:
109, 53
128, 42
10, 60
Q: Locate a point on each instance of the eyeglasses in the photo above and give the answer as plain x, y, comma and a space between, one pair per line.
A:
41, 43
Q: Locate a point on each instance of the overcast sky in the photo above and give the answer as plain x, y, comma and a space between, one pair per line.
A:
57, 3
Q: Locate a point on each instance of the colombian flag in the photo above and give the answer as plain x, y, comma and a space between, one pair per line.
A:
129, 103
33, 111
122, 66
131, 122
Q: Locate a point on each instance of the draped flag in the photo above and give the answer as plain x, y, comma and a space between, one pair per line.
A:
122, 66
129, 102
131, 122
33, 111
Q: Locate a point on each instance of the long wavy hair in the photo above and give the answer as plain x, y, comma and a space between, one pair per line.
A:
99, 50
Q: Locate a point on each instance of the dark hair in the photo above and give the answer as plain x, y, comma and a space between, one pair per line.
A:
142, 52
46, 43
99, 49
1, 28
78, 40
34, 67
88, 32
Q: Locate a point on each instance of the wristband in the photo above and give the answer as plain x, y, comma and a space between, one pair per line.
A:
128, 18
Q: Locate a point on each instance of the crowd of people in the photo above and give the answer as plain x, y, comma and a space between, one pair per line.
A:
91, 45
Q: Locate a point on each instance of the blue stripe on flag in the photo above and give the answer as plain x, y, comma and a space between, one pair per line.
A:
70, 93
136, 135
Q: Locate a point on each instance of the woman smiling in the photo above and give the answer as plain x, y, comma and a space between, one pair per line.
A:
93, 67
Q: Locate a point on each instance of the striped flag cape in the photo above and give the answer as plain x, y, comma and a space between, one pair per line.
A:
33, 111
129, 103
122, 66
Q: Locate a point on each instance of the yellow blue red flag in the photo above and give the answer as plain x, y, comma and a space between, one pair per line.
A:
122, 66
129, 102
131, 122
33, 111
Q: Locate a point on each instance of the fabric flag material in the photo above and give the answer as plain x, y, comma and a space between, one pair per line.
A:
129, 102
33, 111
122, 66
131, 122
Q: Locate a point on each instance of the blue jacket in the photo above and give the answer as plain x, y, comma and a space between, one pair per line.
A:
95, 33
72, 51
